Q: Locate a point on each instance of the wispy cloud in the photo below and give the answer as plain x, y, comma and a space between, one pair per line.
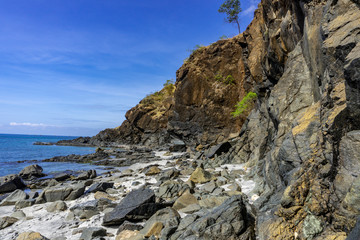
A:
251, 8
30, 124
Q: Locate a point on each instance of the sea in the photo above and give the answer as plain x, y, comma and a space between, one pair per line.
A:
16, 147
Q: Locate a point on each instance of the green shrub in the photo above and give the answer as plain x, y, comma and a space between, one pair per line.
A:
245, 104
223, 37
229, 80
219, 77
197, 47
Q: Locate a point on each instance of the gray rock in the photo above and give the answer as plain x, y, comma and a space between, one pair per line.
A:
312, 227
231, 220
170, 190
24, 203
62, 176
32, 171
17, 195
129, 226
90, 174
355, 232
92, 233
136, 206
18, 214
209, 187
57, 206
218, 149
85, 210
7, 221
102, 186
10, 183
61, 192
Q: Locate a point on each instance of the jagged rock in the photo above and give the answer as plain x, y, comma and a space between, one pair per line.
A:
185, 200
231, 220
162, 224
177, 146
31, 236
90, 174
61, 192
17, 195
102, 186
218, 149
200, 176
136, 206
32, 171
312, 227
168, 175
212, 202
10, 183
7, 222
92, 233
62, 176
170, 190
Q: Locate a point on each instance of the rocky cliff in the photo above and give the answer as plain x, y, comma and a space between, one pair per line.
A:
302, 138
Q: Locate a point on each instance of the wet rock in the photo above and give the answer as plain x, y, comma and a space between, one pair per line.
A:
62, 176
102, 186
136, 206
200, 176
92, 233
7, 222
90, 174
15, 196
31, 172
10, 183
31, 236
56, 206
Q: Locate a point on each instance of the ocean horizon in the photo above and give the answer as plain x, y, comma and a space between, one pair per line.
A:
16, 148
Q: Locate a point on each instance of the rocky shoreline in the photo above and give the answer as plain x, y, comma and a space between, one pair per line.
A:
161, 195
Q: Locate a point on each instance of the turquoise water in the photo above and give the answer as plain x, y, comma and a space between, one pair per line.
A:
14, 148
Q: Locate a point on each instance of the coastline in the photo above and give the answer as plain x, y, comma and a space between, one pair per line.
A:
209, 196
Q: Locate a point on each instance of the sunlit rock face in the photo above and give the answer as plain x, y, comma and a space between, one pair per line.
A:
301, 139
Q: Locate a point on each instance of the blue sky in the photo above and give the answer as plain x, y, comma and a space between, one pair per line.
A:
75, 67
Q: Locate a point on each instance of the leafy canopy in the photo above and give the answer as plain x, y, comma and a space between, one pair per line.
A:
231, 8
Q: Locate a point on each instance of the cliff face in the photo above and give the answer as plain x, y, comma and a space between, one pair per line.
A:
302, 139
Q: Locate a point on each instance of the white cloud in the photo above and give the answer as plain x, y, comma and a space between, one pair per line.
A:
30, 124
249, 10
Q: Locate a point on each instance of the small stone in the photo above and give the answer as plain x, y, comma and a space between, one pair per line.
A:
7, 221
126, 235
312, 227
200, 176
57, 206
235, 187
99, 195
154, 170
92, 232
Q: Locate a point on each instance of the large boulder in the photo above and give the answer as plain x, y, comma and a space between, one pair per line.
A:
61, 192
32, 171
136, 206
231, 220
14, 197
10, 183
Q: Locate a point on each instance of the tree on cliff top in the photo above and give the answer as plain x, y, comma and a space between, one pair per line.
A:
232, 9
